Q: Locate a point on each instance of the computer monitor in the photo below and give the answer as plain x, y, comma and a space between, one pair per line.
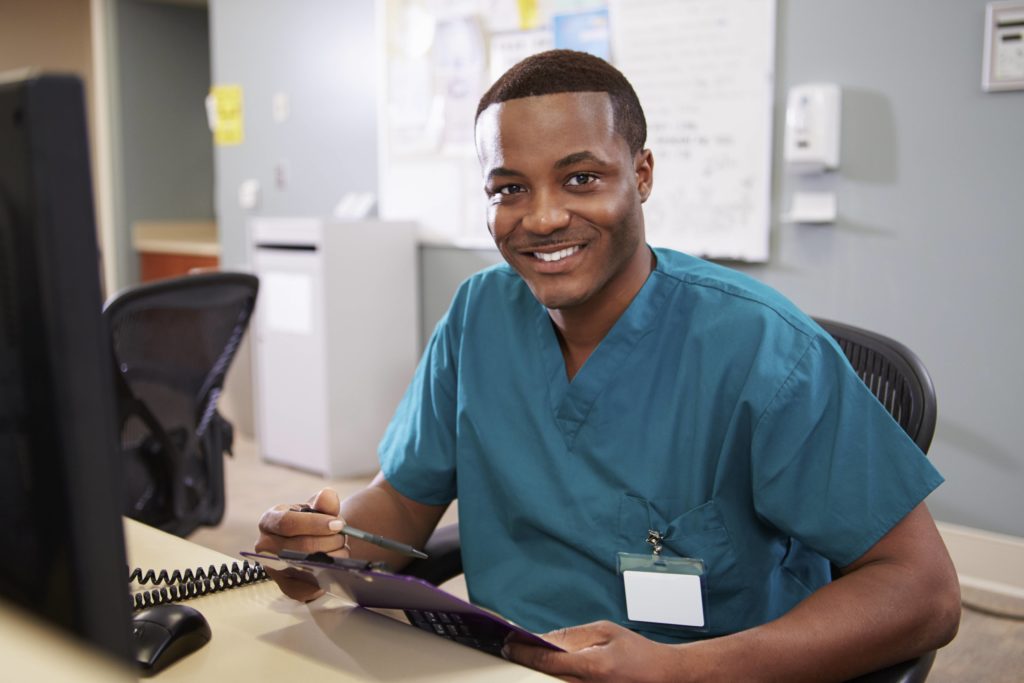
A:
61, 543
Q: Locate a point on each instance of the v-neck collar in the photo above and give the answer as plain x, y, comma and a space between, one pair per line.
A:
571, 401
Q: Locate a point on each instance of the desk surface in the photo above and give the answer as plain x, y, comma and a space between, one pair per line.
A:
258, 633
31, 650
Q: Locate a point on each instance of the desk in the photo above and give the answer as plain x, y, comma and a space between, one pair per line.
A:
259, 634
33, 650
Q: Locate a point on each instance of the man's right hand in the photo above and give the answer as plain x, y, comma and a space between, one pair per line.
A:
284, 526
379, 508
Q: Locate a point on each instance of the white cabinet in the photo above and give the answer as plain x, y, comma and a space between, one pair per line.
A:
335, 341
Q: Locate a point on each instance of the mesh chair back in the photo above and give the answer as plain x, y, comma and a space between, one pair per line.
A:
899, 380
894, 374
173, 342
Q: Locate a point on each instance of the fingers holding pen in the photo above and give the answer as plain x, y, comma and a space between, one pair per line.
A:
287, 526
319, 517
325, 501
290, 521
309, 537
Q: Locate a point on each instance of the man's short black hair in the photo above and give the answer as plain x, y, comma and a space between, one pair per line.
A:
559, 71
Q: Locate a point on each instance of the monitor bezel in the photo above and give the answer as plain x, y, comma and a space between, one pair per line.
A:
66, 445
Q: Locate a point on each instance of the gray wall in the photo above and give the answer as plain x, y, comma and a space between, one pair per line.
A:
322, 54
931, 198
165, 161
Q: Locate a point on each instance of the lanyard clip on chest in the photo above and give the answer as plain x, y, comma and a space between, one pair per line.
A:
655, 538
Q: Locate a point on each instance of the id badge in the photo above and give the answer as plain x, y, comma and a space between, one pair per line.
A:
665, 590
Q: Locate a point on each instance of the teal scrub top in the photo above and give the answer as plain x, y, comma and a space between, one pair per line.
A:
713, 411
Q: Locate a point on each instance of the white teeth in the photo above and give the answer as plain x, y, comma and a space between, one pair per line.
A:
557, 255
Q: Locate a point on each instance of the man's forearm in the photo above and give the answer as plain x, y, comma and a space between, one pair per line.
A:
898, 601
380, 509
860, 623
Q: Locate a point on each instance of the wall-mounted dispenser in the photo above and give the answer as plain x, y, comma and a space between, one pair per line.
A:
812, 128
811, 147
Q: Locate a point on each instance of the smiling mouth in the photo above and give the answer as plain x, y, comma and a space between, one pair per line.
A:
556, 256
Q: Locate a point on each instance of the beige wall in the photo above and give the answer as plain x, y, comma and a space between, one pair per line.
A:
54, 35
50, 34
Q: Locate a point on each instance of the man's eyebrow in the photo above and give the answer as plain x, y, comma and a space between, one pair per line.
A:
504, 171
577, 157
569, 160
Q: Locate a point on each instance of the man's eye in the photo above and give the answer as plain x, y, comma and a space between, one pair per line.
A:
581, 179
510, 189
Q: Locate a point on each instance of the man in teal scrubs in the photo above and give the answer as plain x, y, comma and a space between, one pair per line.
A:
593, 389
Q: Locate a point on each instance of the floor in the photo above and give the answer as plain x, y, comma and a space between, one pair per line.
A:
988, 649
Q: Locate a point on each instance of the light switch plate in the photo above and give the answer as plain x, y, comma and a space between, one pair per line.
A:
1004, 47
249, 194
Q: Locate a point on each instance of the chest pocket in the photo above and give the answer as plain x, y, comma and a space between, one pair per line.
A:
698, 532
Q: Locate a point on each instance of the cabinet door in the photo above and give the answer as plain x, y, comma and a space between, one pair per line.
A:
291, 359
160, 265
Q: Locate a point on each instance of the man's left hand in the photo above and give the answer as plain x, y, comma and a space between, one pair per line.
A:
601, 651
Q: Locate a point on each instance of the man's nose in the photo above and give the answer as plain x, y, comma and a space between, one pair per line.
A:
546, 215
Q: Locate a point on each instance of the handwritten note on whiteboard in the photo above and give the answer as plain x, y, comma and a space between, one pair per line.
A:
704, 72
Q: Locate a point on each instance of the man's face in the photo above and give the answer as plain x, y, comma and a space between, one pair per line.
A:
564, 194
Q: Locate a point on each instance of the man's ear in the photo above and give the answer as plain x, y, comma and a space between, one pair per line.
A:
643, 165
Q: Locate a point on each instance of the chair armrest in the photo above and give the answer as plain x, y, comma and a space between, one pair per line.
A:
445, 560
910, 671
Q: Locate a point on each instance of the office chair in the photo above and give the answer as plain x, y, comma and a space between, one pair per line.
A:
895, 375
173, 342
897, 378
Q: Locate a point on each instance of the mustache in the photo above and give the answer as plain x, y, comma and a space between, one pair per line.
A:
557, 239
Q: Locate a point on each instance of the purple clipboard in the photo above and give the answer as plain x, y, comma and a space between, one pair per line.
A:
427, 606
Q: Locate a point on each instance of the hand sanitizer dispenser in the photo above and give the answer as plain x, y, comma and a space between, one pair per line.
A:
810, 148
811, 142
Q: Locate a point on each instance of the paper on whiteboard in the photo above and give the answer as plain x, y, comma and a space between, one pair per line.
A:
460, 74
703, 71
286, 302
583, 31
507, 49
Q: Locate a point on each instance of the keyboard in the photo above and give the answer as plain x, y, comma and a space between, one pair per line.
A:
465, 629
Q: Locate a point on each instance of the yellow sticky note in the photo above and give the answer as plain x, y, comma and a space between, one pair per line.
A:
228, 124
528, 18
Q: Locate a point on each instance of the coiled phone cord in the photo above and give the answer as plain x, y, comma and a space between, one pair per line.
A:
177, 585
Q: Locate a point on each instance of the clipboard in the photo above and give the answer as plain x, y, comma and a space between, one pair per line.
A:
425, 605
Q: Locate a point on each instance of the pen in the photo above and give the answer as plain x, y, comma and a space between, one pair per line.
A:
385, 543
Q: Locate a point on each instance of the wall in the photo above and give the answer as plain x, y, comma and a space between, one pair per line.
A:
321, 54
927, 248
164, 157
29, 37
930, 235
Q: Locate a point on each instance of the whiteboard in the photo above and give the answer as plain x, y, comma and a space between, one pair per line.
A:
704, 72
